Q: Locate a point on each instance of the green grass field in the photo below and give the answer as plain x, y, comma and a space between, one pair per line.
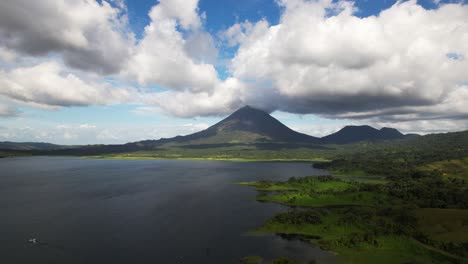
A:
316, 192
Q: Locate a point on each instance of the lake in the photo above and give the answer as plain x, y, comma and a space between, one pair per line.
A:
140, 211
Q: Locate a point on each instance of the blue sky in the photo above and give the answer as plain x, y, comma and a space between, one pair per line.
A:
98, 77
223, 14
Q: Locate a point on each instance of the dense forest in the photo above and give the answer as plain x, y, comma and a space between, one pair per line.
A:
401, 201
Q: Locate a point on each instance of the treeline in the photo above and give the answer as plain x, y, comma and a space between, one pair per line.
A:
429, 189
370, 224
400, 165
401, 158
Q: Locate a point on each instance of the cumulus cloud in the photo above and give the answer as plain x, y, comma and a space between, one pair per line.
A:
237, 33
182, 62
7, 55
48, 85
402, 65
226, 97
89, 35
162, 57
175, 53
323, 59
200, 46
184, 11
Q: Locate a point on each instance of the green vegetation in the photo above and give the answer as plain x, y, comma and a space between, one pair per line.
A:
306, 184
140, 156
374, 222
319, 191
13, 153
401, 158
457, 168
229, 152
395, 201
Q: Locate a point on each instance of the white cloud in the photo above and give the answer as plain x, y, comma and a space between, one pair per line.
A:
405, 64
161, 57
48, 85
322, 59
87, 34
7, 55
183, 63
237, 33
226, 97
184, 11
200, 46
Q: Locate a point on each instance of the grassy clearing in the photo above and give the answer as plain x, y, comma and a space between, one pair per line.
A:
457, 168
316, 191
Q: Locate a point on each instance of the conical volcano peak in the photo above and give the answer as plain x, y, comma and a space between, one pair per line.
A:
246, 125
249, 109
254, 123
248, 112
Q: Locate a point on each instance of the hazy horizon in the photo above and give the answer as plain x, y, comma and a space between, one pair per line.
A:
201, 128
110, 72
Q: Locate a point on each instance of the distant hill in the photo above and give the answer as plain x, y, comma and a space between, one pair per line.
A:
246, 126
445, 152
350, 134
30, 146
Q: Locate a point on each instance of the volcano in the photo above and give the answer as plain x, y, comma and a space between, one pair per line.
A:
247, 125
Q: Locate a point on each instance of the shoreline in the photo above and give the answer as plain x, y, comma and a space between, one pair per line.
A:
313, 160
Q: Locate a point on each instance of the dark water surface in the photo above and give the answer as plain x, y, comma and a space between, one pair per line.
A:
130, 211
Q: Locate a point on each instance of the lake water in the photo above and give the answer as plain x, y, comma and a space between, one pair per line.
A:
130, 211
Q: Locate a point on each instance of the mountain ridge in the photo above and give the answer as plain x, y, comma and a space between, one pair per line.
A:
247, 125
350, 134
267, 128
